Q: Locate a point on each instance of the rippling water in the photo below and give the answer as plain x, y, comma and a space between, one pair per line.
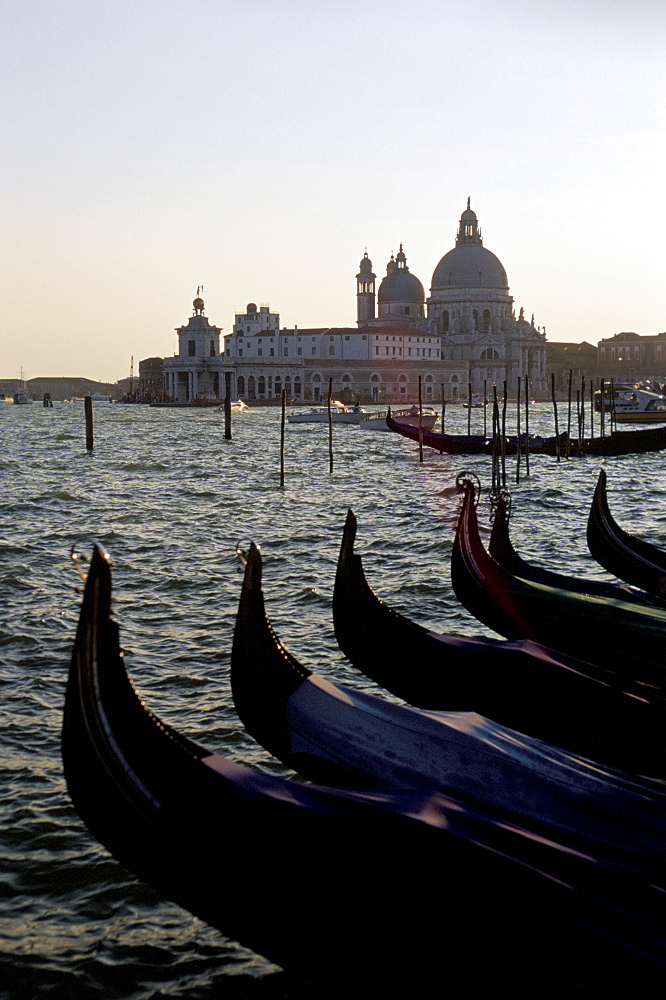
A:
170, 498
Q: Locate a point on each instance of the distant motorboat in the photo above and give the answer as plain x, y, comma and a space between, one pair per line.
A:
628, 403
408, 415
340, 414
237, 406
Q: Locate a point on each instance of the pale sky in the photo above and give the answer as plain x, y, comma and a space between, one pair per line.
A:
259, 147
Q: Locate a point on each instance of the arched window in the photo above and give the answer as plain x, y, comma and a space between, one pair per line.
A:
490, 354
445, 321
250, 387
277, 388
240, 385
486, 320
262, 387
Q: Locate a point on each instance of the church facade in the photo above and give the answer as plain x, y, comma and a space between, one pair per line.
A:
471, 308
464, 334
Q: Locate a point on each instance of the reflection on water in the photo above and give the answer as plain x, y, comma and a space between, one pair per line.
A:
170, 498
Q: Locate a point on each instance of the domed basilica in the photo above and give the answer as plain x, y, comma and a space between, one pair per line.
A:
469, 309
403, 345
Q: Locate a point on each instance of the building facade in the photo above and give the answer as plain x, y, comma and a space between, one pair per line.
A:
195, 371
633, 357
464, 335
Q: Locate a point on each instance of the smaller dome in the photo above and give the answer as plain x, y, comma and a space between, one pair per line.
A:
400, 285
251, 307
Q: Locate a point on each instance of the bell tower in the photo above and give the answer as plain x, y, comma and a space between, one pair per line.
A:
365, 292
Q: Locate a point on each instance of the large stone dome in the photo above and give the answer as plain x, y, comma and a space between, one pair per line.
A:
469, 264
400, 285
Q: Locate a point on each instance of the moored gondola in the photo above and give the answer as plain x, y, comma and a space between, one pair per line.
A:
592, 710
618, 443
636, 442
472, 444
308, 722
501, 549
630, 637
625, 555
373, 888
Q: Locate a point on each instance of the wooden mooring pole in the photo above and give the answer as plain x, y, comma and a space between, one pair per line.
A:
557, 430
527, 427
420, 423
227, 406
330, 427
90, 437
284, 412
518, 432
469, 408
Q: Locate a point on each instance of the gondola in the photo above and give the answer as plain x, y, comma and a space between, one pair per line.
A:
308, 722
503, 552
589, 709
336, 885
636, 442
471, 444
631, 637
625, 555
618, 443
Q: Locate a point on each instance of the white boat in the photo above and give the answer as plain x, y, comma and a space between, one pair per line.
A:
408, 415
237, 406
340, 414
630, 404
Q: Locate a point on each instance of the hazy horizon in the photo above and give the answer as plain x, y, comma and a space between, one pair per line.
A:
260, 149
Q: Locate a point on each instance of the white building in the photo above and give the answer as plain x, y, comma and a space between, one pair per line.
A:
466, 333
195, 372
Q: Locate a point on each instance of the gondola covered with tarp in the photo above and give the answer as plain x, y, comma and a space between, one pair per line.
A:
308, 721
593, 710
337, 885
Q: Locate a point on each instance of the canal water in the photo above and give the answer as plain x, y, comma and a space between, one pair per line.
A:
170, 498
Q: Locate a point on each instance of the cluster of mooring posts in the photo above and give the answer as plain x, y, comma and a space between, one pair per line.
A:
570, 443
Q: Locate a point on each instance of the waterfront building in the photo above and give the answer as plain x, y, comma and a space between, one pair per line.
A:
196, 371
465, 334
632, 357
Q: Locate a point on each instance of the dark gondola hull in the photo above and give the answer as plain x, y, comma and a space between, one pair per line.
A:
624, 555
458, 753
503, 552
334, 721
592, 710
630, 637
332, 885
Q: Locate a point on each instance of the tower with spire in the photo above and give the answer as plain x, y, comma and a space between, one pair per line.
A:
365, 292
